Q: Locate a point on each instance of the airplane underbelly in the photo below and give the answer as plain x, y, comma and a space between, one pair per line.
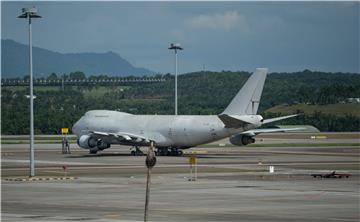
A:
194, 138
189, 132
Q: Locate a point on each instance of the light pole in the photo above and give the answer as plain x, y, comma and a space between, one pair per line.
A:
175, 47
30, 13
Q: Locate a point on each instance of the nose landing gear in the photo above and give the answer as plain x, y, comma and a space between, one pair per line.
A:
161, 151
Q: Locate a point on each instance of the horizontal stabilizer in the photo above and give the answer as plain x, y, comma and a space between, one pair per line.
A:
231, 121
255, 132
278, 118
238, 121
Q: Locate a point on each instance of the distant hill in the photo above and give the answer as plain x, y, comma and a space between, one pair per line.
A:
14, 62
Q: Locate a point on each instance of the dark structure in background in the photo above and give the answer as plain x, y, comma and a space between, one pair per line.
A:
81, 82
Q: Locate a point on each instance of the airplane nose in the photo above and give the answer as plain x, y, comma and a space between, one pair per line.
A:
75, 128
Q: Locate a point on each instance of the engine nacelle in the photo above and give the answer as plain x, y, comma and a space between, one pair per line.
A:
87, 142
241, 140
101, 145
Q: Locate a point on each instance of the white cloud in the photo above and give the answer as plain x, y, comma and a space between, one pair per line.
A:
226, 21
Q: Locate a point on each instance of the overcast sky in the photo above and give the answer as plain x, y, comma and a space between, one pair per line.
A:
283, 36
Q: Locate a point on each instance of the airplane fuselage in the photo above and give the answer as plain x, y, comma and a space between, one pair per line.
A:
98, 129
180, 131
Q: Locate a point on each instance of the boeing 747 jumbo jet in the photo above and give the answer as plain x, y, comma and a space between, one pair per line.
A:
98, 129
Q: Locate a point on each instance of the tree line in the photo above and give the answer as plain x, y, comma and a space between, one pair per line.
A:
200, 93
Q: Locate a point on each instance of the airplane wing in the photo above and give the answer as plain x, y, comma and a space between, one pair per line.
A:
255, 132
121, 136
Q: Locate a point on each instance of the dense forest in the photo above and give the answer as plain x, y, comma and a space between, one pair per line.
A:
200, 93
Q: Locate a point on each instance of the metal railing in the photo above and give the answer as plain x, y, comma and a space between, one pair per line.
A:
59, 82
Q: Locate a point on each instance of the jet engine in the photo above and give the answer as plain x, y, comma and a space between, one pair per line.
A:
87, 142
101, 145
241, 140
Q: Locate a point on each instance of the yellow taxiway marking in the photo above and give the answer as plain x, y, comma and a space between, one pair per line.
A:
112, 215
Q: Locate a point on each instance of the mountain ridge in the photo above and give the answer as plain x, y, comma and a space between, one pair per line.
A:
15, 64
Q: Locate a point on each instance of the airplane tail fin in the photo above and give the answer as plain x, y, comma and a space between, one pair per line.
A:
247, 99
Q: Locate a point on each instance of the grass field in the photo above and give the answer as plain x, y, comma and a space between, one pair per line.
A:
334, 109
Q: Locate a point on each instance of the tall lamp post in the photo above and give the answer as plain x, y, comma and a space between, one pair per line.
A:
175, 47
30, 13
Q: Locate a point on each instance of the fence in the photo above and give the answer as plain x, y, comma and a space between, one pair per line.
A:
59, 82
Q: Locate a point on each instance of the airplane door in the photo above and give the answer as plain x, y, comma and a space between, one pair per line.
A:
213, 133
185, 134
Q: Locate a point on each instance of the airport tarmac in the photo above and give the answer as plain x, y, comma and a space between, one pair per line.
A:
233, 184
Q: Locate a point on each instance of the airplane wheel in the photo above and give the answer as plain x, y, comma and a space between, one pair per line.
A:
92, 151
162, 152
165, 152
177, 153
173, 153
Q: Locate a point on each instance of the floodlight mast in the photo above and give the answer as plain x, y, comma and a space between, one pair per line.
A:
175, 47
30, 13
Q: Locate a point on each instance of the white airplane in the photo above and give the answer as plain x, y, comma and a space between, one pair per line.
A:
98, 129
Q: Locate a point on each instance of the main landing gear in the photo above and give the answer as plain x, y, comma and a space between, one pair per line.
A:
168, 152
136, 151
